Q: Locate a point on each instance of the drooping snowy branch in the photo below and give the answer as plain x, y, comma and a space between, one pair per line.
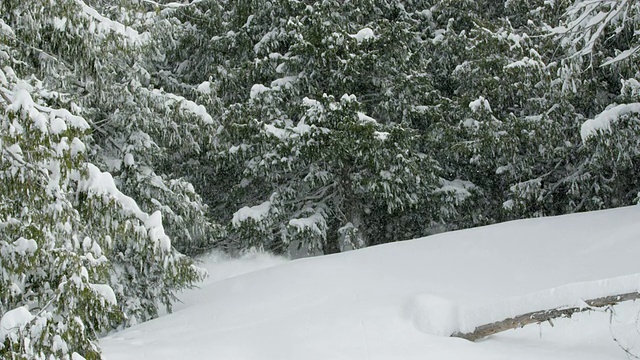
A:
602, 122
103, 25
587, 21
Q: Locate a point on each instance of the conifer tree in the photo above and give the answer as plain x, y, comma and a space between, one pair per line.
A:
78, 257
266, 61
142, 135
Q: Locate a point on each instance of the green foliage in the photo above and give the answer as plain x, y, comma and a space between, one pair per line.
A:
48, 266
415, 68
326, 172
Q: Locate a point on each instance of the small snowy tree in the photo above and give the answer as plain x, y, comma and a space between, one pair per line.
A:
325, 174
55, 292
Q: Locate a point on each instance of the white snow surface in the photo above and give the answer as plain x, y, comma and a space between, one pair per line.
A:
401, 300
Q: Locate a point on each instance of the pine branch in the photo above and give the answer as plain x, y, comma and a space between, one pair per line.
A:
540, 316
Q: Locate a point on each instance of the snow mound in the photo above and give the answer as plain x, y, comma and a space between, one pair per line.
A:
434, 315
221, 267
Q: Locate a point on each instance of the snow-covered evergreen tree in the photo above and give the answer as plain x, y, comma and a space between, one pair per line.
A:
78, 257
265, 62
328, 124
325, 174
142, 135
520, 97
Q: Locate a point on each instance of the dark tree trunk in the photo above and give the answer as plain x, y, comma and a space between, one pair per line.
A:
332, 244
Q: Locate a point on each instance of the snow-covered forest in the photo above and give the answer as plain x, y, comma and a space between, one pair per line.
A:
136, 135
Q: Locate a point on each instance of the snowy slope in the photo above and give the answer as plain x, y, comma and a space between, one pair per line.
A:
387, 302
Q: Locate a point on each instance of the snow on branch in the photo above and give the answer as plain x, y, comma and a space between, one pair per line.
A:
315, 224
100, 183
13, 321
105, 24
603, 121
362, 35
20, 101
185, 105
6, 29
479, 104
172, 5
457, 188
622, 56
587, 20
256, 213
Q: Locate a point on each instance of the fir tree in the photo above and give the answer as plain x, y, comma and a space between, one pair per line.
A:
78, 257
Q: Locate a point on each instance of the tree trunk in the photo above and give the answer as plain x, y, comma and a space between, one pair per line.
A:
332, 243
541, 316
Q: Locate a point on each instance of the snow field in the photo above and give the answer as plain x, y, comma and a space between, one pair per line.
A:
401, 300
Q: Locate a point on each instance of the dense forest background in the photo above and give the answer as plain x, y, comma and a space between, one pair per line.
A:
135, 133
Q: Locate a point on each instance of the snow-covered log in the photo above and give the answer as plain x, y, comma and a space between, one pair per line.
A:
540, 316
